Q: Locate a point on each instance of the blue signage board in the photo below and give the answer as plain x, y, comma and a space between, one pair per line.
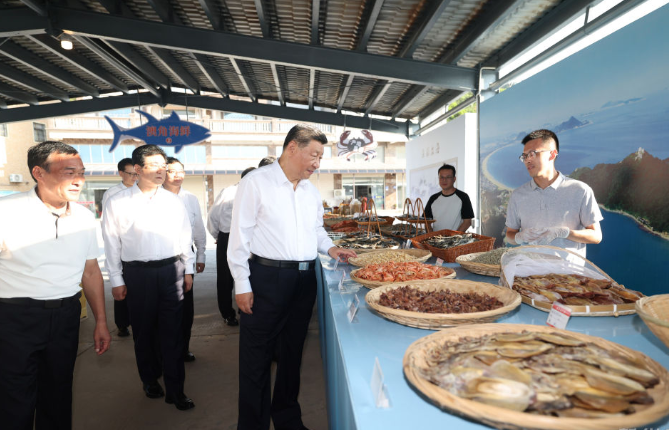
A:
171, 131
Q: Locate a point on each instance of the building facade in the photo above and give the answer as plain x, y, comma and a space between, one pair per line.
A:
237, 141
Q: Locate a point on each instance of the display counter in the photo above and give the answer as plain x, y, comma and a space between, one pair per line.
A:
349, 350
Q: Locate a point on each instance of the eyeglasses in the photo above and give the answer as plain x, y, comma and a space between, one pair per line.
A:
446, 177
531, 154
156, 166
176, 172
133, 174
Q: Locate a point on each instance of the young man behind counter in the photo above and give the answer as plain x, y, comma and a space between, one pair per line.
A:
450, 208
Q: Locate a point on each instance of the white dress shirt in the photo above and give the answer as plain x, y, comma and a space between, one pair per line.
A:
271, 220
33, 262
139, 227
110, 192
196, 223
220, 215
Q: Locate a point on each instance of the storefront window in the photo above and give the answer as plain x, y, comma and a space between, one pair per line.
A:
365, 186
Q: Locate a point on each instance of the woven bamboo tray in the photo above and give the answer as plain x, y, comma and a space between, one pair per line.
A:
329, 222
654, 311
502, 418
361, 251
509, 298
478, 268
580, 311
375, 284
419, 255
449, 255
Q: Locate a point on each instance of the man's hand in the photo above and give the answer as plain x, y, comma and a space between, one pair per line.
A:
245, 302
551, 234
101, 336
341, 253
119, 292
528, 235
188, 283
199, 267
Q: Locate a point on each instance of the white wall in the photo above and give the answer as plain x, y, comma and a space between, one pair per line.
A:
456, 143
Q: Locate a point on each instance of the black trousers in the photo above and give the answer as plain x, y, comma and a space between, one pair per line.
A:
121, 315
188, 318
155, 302
38, 348
224, 280
283, 300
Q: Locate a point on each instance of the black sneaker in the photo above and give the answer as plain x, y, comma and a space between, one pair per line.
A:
189, 357
231, 321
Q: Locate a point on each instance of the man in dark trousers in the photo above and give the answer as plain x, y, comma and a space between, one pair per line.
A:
126, 170
48, 247
277, 219
148, 241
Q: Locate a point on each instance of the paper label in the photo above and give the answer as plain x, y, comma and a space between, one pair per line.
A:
341, 281
353, 308
407, 245
440, 262
377, 385
559, 315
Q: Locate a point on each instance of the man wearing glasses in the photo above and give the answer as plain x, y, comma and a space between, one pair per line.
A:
173, 183
450, 208
128, 176
148, 241
551, 209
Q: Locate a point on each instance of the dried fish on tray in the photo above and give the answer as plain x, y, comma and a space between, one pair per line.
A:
375, 275
361, 243
443, 242
524, 376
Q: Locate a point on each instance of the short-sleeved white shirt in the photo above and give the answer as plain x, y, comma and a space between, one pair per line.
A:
33, 262
566, 202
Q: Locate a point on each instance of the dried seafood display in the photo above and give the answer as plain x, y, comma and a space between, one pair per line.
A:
413, 299
574, 290
361, 241
490, 257
413, 218
444, 242
408, 230
544, 373
398, 272
344, 224
382, 257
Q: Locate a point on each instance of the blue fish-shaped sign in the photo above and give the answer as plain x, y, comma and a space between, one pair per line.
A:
171, 131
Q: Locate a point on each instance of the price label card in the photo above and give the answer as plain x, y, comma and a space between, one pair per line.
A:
377, 385
440, 262
559, 315
353, 308
341, 281
336, 263
407, 245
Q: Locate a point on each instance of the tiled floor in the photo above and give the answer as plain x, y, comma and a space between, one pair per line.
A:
108, 392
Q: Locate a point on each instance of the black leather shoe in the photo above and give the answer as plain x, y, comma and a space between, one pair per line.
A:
182, 402
189, 357
123, 332
153, 390
232, 321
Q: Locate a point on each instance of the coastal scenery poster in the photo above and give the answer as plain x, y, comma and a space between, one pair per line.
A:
609, 105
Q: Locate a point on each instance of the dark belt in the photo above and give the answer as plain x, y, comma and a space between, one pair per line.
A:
153, 264
284, 264
47, 304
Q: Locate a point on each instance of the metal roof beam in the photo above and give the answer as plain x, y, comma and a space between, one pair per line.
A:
277, 84
211, 10
344, 93
3, 104
37, 85
553, 21
36, 5
246, 83
117, 64
139, 62
21, 22
212, 74
380, 91
315, 19
312, 84
408, 98
262, 18
31, 60
171, 63
18, 95
425, 27
253, 48
441, 101
76, 59
485, 24
369, 26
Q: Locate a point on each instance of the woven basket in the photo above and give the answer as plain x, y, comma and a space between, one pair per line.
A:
375, 284
478, 268
483, 244
419, 255
329, 222
581, 311
654, 311
431, 321
501, 418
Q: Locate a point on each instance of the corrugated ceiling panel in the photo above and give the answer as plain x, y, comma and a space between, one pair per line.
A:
423, 101
227, 72
297, 84
342, 23
148, 54
22, 88
245, 17
94, 6
187, 61
361, 91
393, 24
191, 13
327, 88
260, 74
40, 76
142, 9
392, 96
294, 21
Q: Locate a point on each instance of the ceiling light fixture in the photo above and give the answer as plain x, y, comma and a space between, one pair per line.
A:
66, 42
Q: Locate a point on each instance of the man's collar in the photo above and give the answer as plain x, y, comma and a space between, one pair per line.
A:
556, 183
35, 198
280, 176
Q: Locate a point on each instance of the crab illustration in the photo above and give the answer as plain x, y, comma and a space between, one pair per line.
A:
362, 143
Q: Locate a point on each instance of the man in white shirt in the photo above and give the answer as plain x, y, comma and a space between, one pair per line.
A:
173, 181
48, 247
277, 219
148, 239
218, 224
126, 170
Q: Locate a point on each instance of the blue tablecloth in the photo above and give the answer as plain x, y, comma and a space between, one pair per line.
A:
349, 350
